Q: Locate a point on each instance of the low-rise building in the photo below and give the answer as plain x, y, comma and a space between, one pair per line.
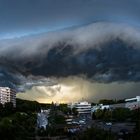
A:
100, 106
133, 103
83, 108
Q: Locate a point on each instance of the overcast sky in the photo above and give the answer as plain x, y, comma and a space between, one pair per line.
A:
22, 17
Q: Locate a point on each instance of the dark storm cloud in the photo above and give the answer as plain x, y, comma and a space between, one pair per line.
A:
19, 17
101, 52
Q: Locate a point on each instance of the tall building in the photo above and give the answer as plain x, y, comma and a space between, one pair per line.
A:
7, 95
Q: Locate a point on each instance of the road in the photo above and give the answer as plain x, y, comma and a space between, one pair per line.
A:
42, 120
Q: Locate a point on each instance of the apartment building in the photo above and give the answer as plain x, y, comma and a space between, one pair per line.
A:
7, 95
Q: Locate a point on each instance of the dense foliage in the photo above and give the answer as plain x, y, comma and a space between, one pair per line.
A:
95, 134
109, 102
18, 123
118, 114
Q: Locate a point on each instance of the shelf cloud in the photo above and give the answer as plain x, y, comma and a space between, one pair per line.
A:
101, 52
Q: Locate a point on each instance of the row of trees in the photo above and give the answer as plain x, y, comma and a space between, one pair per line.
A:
118, 114
64, 109
27, 106
21, 106
109, 102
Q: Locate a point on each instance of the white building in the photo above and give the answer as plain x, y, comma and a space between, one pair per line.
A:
133, 103
136, 99
46, 111
83, 107
100, 106
7, 95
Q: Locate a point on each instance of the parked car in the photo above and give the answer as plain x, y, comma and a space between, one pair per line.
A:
82, 122
109, 123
